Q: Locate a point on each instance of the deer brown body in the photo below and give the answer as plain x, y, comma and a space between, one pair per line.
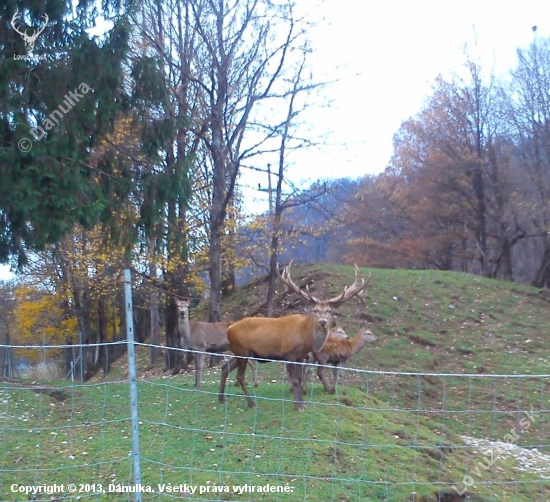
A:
290, 338
337, 351
297, 335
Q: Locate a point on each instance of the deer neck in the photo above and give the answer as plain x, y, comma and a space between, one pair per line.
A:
184, 326
320, 334
357, 343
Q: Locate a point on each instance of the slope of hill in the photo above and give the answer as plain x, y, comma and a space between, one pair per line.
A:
425, 419
427, 320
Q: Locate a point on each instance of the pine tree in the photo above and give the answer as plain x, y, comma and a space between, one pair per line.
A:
55, 103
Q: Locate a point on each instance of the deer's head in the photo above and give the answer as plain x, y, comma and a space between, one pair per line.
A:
321, 309
183, 309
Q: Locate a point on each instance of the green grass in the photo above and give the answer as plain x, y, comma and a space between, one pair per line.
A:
392, 436
357, 447
333, 451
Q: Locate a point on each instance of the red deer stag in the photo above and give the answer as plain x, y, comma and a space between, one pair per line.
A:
337, 351
203, 337
290, 338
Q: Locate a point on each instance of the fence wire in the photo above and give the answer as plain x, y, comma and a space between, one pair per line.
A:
393, 437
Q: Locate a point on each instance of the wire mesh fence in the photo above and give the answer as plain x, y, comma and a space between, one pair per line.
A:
393, 437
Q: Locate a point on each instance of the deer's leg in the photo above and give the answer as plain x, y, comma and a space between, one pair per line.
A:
290, 383
295, 376
185, 359
241, 372
335, 374
321, 375
227, 368
236, 384
199, 358
305, 371
254, 366
342, 371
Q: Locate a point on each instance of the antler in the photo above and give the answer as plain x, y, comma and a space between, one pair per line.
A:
46, 21
291, 287
356, 289
14, 19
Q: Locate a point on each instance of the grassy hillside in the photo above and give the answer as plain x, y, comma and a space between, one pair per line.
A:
395, 437
428, 320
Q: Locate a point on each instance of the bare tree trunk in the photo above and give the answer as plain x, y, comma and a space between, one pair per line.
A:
214, 313
155, 335
481, 229
274, 246
102, 355
279, 205
81, 310
271, 285
542, 277
506, 261
219, 198
215, 269
172, 338
228, 275
217, 220
154, 307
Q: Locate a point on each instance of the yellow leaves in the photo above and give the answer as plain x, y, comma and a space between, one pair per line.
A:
90, 263
39, 319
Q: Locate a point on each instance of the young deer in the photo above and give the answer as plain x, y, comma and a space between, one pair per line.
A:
204, 337
337, 351
335, 332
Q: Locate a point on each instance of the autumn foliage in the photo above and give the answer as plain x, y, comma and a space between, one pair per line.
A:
39, 318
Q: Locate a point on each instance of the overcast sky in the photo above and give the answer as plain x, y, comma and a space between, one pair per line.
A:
397, 48
386, 55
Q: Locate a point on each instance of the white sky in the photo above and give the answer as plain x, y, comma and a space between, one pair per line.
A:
398, 48
387, 54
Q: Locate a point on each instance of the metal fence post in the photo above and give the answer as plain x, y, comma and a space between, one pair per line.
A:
132, 374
